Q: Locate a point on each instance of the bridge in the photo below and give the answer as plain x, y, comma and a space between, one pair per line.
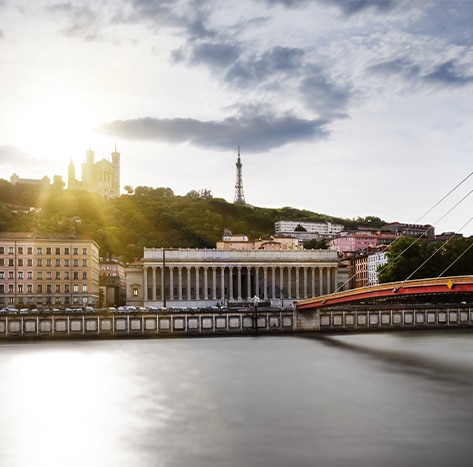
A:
454, 289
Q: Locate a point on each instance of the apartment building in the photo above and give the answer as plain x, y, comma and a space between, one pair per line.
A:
48, 271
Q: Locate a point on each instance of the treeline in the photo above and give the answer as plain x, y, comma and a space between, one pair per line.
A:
411, 258
145, 217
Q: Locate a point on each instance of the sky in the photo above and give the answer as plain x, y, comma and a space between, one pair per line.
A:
349, 108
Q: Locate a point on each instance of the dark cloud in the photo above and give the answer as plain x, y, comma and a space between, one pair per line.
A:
320, 94
353, 7
265, 67
448, 74
445, 74
256, 132
213, 55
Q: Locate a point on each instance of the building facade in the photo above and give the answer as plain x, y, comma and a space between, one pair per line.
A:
101, 177
323, 228
112, 282
207, 277
41, 272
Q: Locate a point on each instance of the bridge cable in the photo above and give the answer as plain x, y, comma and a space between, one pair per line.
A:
437, 250
383, 268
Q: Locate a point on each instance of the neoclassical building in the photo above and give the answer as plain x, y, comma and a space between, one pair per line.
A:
207, 277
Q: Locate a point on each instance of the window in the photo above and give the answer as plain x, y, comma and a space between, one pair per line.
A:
10, 288
2, 274
135, 292
2, 250
30, 262
20, 250
75, 288
20, 262
10, 262
40, 275
75, 251
84, 263
58, 251
2, 262
39, 250
30, 250
84, 251
66, 288
84, 274
48, 263
39, 263
66, 275
11, 250
48, 275
48, 288
10, 275
66, 251
58, 288
58, 275
75, 263
66, 263
29, 288
48, 250
58, 263
20, 274
29, 274
20, 288
84, 288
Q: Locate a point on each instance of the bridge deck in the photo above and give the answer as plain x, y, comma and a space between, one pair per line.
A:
442, 285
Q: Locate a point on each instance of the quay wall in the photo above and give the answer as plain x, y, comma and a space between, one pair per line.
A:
98, 325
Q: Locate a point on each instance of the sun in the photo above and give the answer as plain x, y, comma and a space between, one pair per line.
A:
56, 125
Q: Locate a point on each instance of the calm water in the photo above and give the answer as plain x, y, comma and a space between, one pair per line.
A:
398, 399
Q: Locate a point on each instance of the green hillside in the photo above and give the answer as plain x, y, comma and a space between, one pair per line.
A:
149, 217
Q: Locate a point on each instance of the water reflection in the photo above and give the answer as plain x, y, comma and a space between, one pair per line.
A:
262, 401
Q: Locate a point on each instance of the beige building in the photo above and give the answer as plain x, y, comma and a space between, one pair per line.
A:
48, 272
206, 277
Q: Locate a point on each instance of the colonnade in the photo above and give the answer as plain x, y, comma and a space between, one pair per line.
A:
203, 282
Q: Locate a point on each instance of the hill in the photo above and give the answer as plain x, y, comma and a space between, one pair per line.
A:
147, 217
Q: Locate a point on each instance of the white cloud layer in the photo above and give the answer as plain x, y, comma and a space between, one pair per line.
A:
344, 107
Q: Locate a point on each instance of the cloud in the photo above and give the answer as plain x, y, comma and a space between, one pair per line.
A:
353, 7
12, 155
324, 96
257, 133
213, 55
446, 73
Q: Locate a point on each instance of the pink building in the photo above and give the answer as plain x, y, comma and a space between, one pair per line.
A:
349, 242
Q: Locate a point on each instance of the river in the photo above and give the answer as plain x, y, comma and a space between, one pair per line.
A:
377, 399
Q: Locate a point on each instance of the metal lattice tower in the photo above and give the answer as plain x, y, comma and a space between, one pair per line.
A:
239, 196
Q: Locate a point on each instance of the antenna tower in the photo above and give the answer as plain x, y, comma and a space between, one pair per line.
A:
239, 196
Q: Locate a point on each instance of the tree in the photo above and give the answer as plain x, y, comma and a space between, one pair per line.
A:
315, 244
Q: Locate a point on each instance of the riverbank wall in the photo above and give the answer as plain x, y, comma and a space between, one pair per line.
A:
102, 325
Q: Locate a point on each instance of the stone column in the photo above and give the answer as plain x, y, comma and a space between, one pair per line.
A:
214, 283
281, 281
153, 284
305, 281
289, 281
171, 283
329, 287
180, 282
239, 282
145, 283
297, 282
257, 281
248, 281
197, 283
206, 283
313, 281
188, 272
265, 283
335, 275
230, 283
273, 282
321, 281
162, 284
222, 282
